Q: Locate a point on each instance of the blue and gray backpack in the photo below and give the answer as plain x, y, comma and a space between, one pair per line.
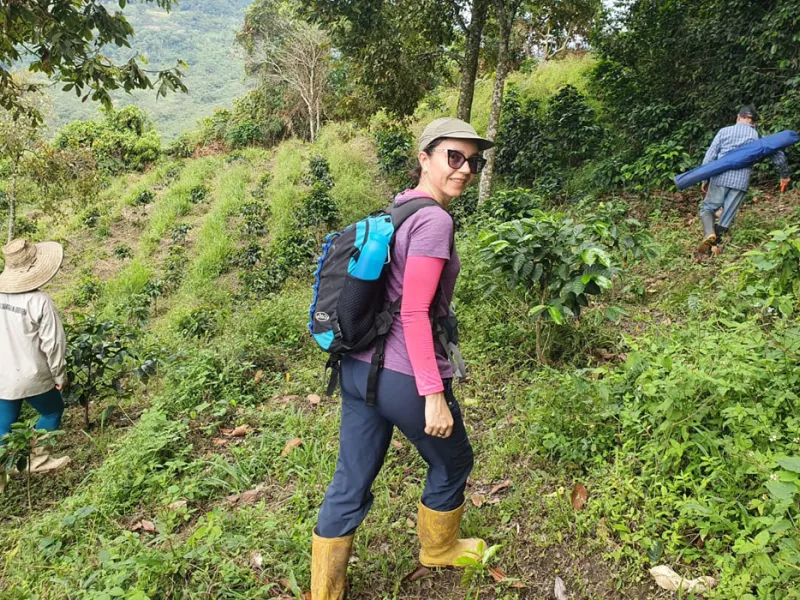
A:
349, 311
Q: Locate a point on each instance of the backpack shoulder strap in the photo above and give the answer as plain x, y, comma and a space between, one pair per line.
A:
403, 211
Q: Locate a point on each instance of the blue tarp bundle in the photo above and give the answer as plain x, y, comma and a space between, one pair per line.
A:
743, 156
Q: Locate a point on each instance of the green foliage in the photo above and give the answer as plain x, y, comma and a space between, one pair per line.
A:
70, 49
256, 215
143, 198
175, 266
395, 144
507, 205
123, 251
16, 448
123, 140
380, 45
572, 127
90, 217
199, 323
538, 140
553, 261
96, 351
286, 257
710, 402
198, 193
657, 166
771, 279
654, 86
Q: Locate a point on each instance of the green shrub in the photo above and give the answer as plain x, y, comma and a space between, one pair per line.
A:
144, 197
701, 425
96, 352
318, 208
90, 217
198, 193
395, 145
88, 289
555, 263
770, 280
123, 251
507, 205
123, 140
199, 323
656, 167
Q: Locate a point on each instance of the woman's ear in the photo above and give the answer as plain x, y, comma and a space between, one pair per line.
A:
424, 161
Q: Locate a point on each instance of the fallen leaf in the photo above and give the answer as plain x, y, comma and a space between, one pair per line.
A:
240, 431
560, 590
307, 596
397, 444
518, 585
285, 583
313, 399
250, 497
177, 505
144, 525
220, 441
290, 445
497, 574
668, 579
501, 486
258, 376
233, 498
256, 560
579, 496
417, 574
477, 499
410, 523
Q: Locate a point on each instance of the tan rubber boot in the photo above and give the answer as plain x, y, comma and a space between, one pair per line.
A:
329, 558
438, 537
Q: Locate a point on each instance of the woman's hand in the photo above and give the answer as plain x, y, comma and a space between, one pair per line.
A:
438, 419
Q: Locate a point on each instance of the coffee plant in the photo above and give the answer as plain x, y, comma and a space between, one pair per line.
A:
96, 352
554, 262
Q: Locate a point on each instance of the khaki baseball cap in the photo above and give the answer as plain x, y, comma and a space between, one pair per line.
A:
448, 127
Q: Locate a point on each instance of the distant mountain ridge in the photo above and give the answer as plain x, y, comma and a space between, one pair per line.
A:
201, 33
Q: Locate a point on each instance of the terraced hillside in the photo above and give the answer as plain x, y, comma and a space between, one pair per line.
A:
206, 482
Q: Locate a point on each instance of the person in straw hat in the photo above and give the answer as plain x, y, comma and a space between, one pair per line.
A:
32, 339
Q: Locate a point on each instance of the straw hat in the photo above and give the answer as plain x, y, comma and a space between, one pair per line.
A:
29, 266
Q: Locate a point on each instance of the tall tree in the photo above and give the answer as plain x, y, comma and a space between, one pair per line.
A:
66, 39
20, 134
473, 34
394, 49
288, 51
505, 12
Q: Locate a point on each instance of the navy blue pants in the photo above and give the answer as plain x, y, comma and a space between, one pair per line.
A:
49, 405
364, 437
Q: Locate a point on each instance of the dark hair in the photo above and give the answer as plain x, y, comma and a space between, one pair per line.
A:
416, 171
748, 112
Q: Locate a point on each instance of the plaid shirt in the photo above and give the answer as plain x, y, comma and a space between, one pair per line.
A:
730, 138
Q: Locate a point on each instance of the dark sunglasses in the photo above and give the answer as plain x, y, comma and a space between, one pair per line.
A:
456, 160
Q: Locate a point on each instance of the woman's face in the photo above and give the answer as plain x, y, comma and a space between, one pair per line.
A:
445, 181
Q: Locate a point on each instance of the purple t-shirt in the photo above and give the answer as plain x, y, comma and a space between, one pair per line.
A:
428, 232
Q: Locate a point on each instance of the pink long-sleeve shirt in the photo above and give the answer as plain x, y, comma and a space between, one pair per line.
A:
422, 259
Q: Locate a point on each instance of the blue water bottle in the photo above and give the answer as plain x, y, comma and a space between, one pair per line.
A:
371, 260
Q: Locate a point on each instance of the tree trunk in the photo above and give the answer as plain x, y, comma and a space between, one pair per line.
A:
469, 68
497, 104
12, 203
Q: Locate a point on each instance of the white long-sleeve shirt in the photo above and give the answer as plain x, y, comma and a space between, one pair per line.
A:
32, 345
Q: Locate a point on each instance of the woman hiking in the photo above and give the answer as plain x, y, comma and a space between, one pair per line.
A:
414, 387
32, 339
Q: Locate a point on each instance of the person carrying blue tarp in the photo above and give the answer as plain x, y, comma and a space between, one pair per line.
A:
727, 190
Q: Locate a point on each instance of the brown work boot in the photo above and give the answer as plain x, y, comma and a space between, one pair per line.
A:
707, 243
